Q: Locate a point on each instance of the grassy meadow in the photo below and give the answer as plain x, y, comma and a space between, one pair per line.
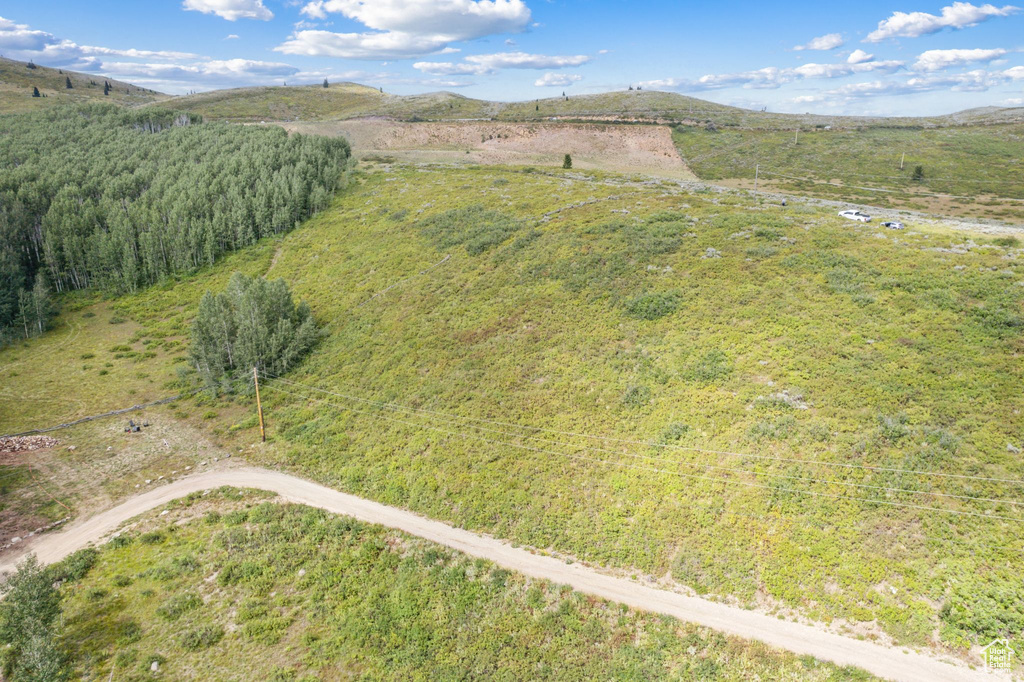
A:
750, 359
969, 171
229, 586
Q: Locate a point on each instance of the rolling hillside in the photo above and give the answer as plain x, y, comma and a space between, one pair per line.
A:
17, 80
811, 417
351, 100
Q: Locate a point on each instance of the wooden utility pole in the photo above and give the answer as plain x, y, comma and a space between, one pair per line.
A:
901, 160
757, 171
796, 137
259, 406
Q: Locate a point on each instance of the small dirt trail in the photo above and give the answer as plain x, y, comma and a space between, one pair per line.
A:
886, 662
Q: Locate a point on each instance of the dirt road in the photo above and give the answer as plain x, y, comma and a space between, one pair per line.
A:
886, 662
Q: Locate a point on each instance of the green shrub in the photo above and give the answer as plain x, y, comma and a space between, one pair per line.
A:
653, 305
474, 227
177, 605
202, 637
711, 366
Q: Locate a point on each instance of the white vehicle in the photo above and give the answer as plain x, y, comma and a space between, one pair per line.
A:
893, 225
855, 215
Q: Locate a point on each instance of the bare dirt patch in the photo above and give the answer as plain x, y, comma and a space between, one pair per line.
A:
624, 148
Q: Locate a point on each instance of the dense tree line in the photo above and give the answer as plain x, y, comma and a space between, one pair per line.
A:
99, 196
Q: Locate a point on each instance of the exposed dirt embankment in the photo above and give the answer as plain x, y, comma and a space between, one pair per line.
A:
626, 148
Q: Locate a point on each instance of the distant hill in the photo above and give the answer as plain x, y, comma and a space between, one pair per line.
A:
18, 78
351, 100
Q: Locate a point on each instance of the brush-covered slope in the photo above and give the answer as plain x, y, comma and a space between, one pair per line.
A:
18, 78
349, 100
231, 586
769, 404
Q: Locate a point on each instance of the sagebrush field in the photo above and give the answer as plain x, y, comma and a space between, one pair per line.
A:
774, 406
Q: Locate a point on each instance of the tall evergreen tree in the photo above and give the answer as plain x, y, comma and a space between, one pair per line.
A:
67, 82
106, 88
35, 91
325, 83
567, 162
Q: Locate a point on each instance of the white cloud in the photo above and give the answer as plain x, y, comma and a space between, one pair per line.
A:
1016, 73
846, 69
774, 77
231, 10
138, 54
481, 64
826, 42
1012, 102
18, 41
858, 56
935, 60
956, 16
232, 36
405, 28
559, 79
971, 81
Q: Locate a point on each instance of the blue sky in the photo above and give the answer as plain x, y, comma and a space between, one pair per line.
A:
902, 57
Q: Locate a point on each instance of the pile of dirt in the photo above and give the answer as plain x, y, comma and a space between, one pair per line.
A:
625, 148
26, 443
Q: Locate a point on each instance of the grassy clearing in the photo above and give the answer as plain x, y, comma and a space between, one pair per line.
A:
593, 303
977, 167
249, 589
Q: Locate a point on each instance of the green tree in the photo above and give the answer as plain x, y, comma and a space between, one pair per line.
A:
67, 82
918, 174
106, 88
42, 305
567, 162
35, 91
28, 612
325, 83
253, 323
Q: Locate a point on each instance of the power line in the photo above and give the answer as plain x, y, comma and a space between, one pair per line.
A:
660, 471
705, 465
649, 443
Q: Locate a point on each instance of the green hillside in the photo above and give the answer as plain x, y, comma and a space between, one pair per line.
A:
351, 100
970, 171
18, 78
249, 589
771, 405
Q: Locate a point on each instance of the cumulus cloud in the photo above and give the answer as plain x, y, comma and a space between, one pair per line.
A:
858, 56
231, 10
774, 77
231, 36
956, 16
19, 41
1016, 73
481, 64
825, 42
559, 79
936, 60
166, 70
405, 28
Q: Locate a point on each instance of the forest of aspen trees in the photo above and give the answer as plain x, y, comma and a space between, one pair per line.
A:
95, 196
